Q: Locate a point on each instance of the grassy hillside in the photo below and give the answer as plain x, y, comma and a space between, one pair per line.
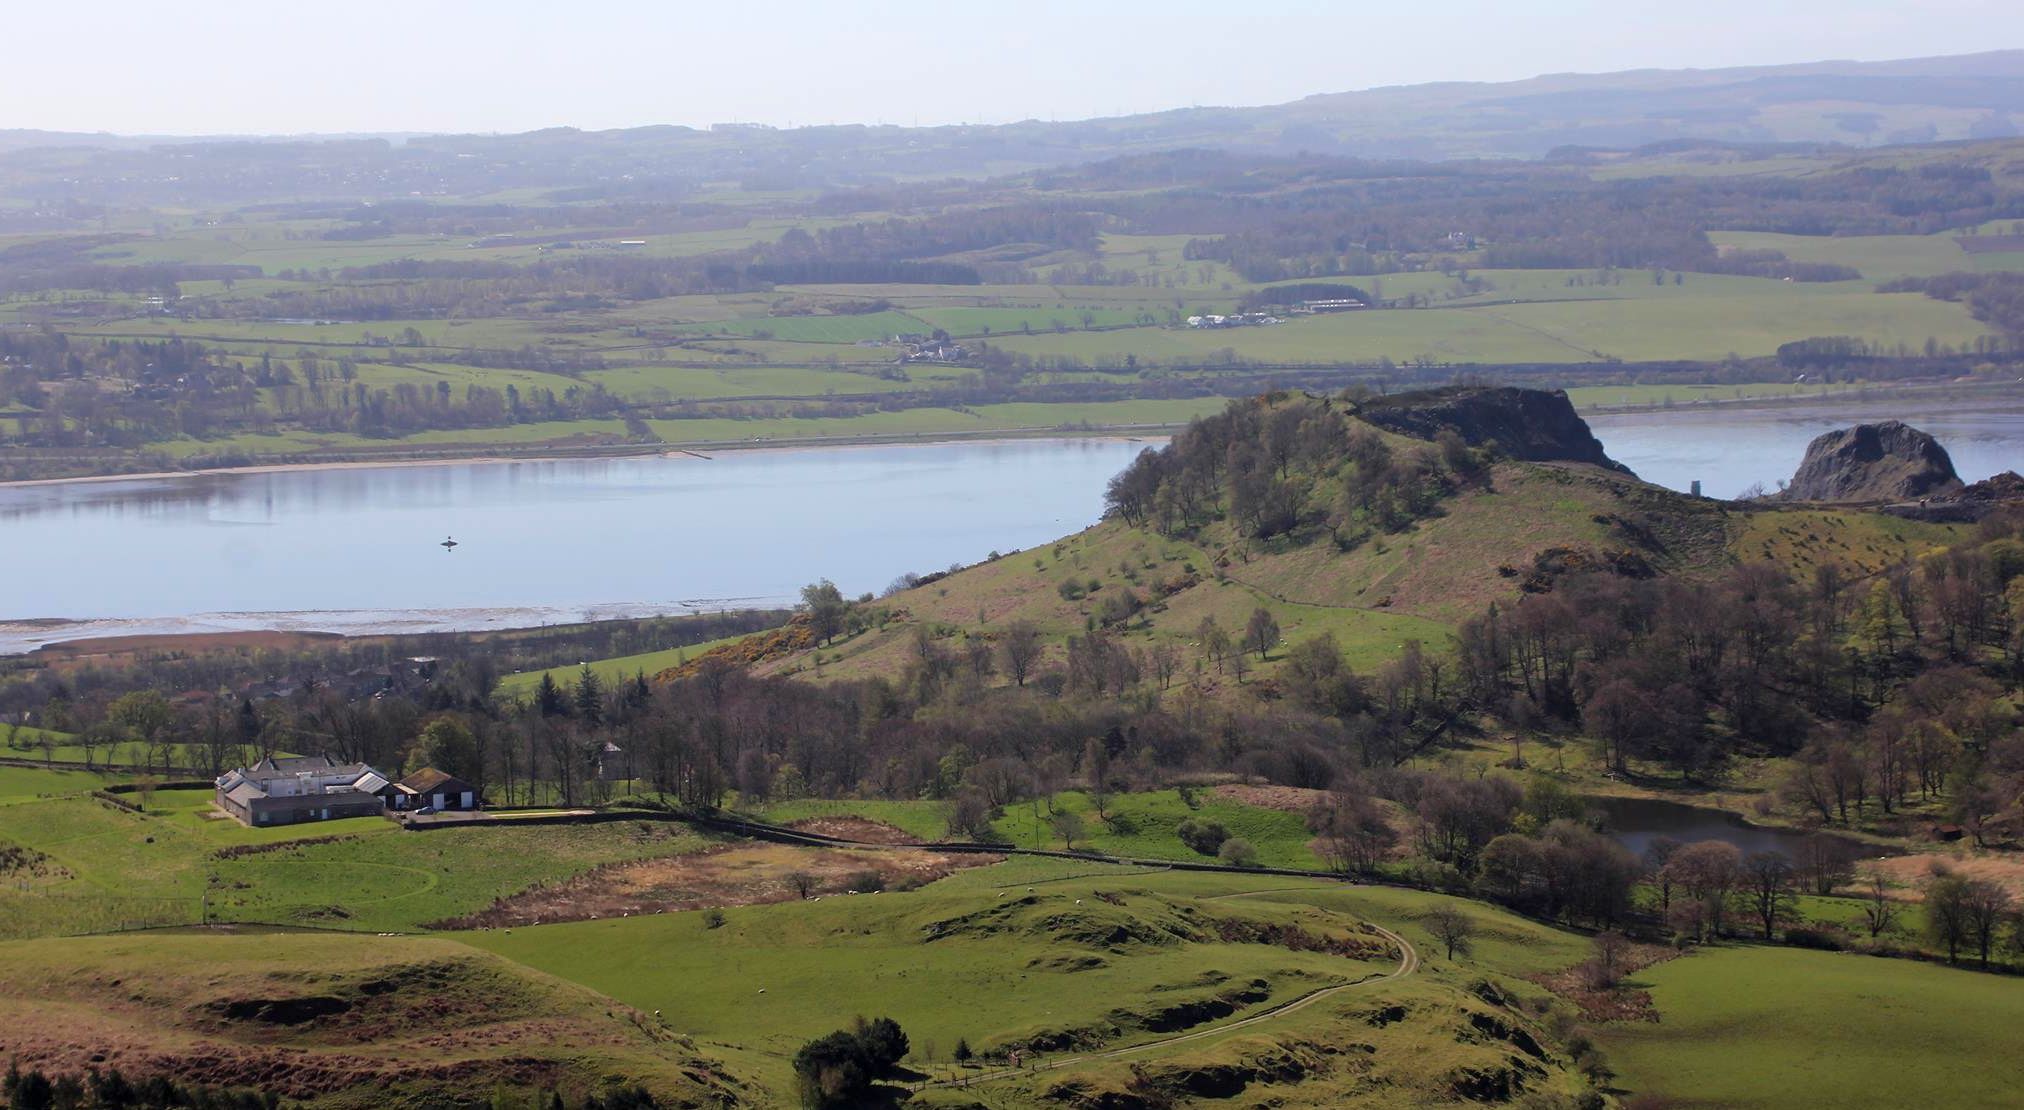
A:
1027, 954
105, 867
1760, 1027
1480, 543
332, 1020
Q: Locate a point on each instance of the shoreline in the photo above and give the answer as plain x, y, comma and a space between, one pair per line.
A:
1860, 394
490, 455
29, 635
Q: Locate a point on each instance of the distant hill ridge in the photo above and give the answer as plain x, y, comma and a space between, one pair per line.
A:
1856, 104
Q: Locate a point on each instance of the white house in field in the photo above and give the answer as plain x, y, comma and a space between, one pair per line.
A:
294, 789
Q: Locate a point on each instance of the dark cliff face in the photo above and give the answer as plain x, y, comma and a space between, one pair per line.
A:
1891, 461
1531, 424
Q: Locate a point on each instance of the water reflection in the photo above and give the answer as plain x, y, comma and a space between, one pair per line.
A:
1637, 822
653, 532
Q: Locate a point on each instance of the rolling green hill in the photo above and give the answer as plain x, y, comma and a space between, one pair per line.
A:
1373, 586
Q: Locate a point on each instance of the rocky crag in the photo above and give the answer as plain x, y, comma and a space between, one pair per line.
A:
1891, 461
1531, 424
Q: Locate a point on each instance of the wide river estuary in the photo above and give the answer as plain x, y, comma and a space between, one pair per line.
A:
358, 549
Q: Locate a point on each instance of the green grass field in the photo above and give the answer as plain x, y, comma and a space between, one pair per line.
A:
1660, 396
974, 956
616, 669
930, 422
405, 881
1139, 825
1879, 257
1768, 1027
21, 783
1665, 326
160, 864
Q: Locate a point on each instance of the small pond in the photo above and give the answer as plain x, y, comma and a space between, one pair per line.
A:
1636, 822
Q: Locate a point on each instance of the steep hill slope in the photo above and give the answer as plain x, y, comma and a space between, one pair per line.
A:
1380, 522
1346, 527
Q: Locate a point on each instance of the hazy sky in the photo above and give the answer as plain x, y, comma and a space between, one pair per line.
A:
284, 66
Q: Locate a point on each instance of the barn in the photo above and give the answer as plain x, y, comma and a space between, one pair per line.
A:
429, 788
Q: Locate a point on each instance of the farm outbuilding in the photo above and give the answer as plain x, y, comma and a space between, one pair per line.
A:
429, 788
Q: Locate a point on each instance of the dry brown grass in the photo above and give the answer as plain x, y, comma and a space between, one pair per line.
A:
1912, 872
740, 875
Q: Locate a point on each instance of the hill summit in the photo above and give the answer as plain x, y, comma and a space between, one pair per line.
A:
1530, 424
1891, 461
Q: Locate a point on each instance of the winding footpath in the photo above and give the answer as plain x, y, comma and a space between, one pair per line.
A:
1409, 962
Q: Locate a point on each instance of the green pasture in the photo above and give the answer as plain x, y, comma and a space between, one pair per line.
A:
731, 383
923, 422
1997, 261
989, 323
20, 783
1780, 1027
617, 669
913, 297
920, 423
1668, 394
1576, 330
1139, 825
377, 375
358, 873
819, 329
1142, 825
552, 431
406, 880
1879, 257
974, 956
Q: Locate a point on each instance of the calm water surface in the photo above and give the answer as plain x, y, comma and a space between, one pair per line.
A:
1729, 450
356, 549
1636, 822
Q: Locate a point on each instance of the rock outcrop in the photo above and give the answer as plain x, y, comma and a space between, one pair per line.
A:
2004, 487
1532, 424
1891, 461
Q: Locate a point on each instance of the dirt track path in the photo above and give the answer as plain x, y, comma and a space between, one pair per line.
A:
1409, 962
